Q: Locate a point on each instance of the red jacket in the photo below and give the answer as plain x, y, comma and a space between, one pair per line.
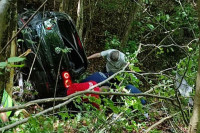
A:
76, 87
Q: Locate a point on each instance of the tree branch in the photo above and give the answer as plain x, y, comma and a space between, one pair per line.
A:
99, 84
80, 93
160, 121
73, 96
38, 114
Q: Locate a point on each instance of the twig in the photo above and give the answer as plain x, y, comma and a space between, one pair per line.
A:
169, 35
33, 63
159, 43
177, 93
57, 83
25, 53
39, 101
160, 121
35, 56
162, 103
156, 73
178, 127
187, 18
38, 114
22, 27
72, 111
99, 84
118, 116
160, 46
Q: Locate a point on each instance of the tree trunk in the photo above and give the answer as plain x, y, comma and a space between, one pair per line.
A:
131, 18
61, 7
195, 119
3, 22
194, 126
79, 22
9, 85
66, 6
7, 25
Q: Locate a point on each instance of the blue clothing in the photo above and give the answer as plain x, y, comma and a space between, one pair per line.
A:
97, 77
133, 89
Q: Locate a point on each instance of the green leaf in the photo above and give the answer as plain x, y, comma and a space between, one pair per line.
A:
64, 115
3, 64
66, 50
22, 65
15, 59
167, 17
136, 69
20, 40
184, 14
78, 117
150, 26
190, 49
172, 49
57, 50
30, 41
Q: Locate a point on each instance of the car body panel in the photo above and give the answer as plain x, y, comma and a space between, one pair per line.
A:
51, 31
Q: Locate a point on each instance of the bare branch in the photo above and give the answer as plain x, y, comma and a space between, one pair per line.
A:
99, 84
81, 93
38, 114
161, 46
186, 17
160, 121
73, 96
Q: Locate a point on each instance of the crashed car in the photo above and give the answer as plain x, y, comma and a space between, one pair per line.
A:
51, 36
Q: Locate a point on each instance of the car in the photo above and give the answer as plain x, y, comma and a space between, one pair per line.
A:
51, 36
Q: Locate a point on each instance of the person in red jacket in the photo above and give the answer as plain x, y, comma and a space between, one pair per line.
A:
76, 87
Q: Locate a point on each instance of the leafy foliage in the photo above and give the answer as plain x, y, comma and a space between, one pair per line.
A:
10, 62
166, 30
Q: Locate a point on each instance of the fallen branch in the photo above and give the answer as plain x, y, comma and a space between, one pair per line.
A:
119, 115
38, 114
160, 121
39, 101
60, 98
109, 78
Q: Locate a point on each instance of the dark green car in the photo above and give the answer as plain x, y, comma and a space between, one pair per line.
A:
59, 48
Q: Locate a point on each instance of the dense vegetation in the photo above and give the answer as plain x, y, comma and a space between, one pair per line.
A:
160, 39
